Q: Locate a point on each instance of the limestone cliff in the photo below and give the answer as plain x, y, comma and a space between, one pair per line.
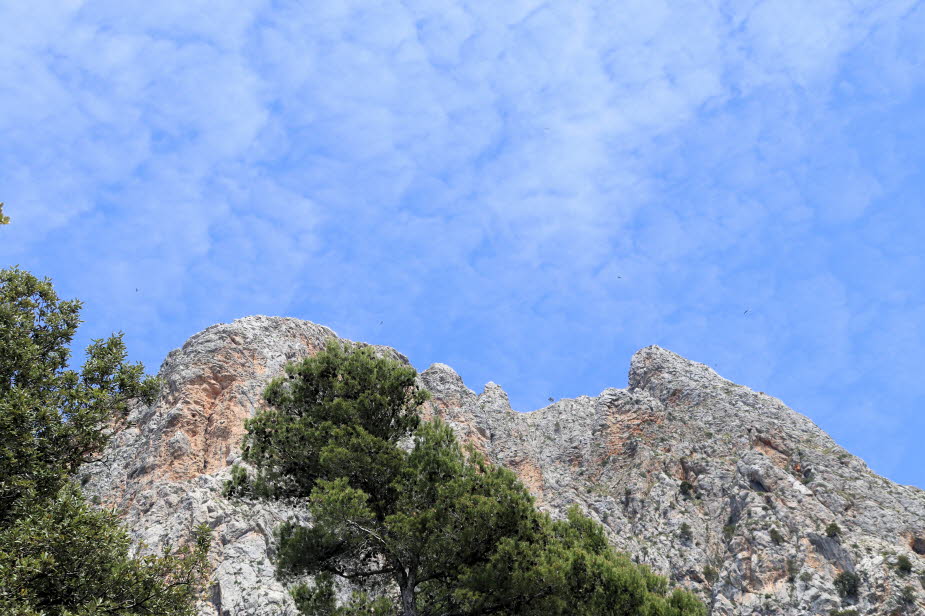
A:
724, 490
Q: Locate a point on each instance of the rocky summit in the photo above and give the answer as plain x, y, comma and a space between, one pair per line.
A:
724, 490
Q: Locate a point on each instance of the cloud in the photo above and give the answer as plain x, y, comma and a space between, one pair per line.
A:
525, 190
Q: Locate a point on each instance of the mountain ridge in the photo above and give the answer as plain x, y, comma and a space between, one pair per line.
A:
725, 490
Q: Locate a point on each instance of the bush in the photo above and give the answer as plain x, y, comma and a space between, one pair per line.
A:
903, 565
907, 596
687, 489
847, 583
685, 533
832, 530
710, 574
792, 569
776, 537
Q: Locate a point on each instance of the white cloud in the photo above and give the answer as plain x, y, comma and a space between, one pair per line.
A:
607, 174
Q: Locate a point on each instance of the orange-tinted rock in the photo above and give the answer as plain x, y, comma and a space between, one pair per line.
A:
753, 464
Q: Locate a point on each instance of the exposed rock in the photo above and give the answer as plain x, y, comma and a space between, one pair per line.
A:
755, 482
832, 551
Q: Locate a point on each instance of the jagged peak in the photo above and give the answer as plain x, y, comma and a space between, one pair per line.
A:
493, 397
442, 380
652, 367
438, 368
265, 322
256, 330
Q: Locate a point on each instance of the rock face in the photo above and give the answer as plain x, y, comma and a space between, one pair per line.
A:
724, 490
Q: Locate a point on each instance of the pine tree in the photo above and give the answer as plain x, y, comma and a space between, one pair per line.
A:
419, 524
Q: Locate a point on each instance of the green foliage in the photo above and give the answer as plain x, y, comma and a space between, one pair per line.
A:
316, 600
847, 583
906, 596
59, 555
337, 414
792, 569
710, 574
686, 489
903, 564
53, 419
836, 612
776, 537
4, 220
399, 505
685, 533
320, 600
70, 558
239, 484
832, 530
729, 531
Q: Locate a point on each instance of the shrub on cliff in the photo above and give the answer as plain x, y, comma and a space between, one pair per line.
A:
405, 513
903, 564
58, 555
847, 584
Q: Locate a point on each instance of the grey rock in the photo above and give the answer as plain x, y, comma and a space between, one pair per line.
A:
755, 482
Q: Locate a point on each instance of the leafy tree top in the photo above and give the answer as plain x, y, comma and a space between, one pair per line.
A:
53, 418
339, 413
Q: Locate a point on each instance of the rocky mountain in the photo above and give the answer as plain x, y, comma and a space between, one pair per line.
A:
723, 489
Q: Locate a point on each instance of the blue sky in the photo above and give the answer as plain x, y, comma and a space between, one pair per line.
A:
527, 191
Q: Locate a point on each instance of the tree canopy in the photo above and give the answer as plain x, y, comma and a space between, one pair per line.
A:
418, 524
53, 418
59, 556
